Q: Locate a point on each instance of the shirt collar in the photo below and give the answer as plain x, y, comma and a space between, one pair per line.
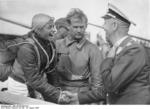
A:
69, 41
79, 45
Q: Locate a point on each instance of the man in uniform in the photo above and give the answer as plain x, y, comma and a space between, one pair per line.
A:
33, 60
126, 69
62, 28
79, 62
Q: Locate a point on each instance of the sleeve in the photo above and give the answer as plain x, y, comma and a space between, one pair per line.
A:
97, 92
37, 80
119, 72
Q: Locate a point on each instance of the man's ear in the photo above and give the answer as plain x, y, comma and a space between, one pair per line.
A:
115, 25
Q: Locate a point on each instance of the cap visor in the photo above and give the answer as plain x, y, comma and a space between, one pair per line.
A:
106, 17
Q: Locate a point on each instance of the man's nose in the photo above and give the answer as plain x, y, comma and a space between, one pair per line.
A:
53, 30
79, 29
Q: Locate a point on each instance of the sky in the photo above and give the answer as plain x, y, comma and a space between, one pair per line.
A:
23, 10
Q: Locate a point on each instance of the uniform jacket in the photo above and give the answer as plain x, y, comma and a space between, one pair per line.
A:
126, 77
79, 66
30, 66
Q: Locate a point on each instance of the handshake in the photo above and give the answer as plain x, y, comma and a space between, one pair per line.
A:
67, 97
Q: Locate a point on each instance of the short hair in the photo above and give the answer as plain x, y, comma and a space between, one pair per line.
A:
123, 25
76, 13
62, 22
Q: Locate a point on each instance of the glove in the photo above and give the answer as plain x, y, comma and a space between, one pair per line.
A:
64, 98
73, 97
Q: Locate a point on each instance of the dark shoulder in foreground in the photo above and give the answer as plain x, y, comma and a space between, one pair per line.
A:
134, 47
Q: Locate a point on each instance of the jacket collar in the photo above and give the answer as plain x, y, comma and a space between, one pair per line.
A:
124, 42
119, 42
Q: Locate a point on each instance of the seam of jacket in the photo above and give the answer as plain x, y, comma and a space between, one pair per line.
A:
32, 42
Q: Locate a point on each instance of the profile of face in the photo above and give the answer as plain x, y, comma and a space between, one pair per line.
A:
61, 33
109, 28
77, 28
47, 31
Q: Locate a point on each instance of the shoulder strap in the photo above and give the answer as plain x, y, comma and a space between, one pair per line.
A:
31, 41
